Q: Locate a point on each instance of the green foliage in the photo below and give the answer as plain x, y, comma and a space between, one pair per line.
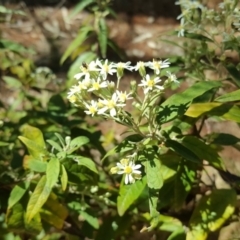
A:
57, 180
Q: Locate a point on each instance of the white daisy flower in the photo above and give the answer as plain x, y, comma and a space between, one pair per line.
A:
158, 65
73, 90
172, 77
72, 98
97, 84
149, 84
92, 108
110, 84
86, 69
121, 66
106, 68
129, 169
141, 68
139, 65
111, 105
123, 96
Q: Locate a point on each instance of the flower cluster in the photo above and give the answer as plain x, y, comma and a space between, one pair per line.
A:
97, 95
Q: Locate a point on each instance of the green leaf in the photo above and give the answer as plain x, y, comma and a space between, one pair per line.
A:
35, 165
234, 73
52, 172
13, 46
77, 143
35, 134
153, 195
229, 97
17, 193
79, 7
35, 150
211, 213
64, 178
170, 224
12, 82
15, 216
55, 145
184, 180
183, 151
197, 109
15, 220
103, 37
203, 151
87, 162
88, 215
54, 212
34, 141
81, 37
177, 104
34, 226
196, 36
38, 198
224, 139
128, 194
4, 144
226, 111
153, 172
178, 235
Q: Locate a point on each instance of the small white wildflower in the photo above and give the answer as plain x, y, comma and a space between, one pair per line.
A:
181, 29
92, 108
106, 68
121, 66
86, 70
172, 77
149, 84
110, 105
158, 65
73, 90
129, 169
72, 98
110, 84
141, 68
97, 84
82, 86
123, 96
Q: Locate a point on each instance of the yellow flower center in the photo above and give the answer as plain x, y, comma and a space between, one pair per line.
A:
106, 68
84, 69
156, 65
111, 104
100, 104
81, 86
150, 83
128, 170
123, 97
96, 86
92, 110
73, 99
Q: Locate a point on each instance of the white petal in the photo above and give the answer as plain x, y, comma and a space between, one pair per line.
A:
131, 179
126, 179
137, 166
137, 171
113, 112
